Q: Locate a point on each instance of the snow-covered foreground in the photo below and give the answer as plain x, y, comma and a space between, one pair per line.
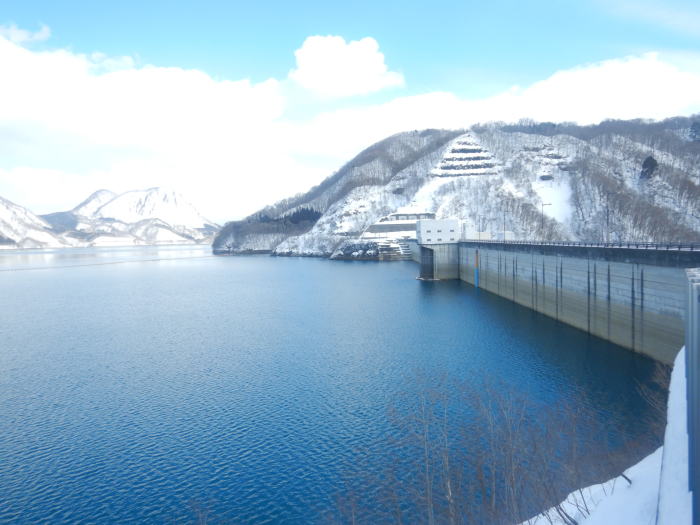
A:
675, 504
654, 491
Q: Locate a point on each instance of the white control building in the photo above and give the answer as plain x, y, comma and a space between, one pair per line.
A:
438, 231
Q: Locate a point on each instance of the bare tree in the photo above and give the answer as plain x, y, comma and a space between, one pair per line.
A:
508, 461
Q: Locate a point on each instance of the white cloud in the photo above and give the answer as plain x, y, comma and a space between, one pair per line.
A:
73, 123
646, 86
23, 36
110, 123
331, 67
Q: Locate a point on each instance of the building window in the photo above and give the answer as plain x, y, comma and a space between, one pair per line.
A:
429, 240
452, 231
439, 231
427, 231
452, 238
439, 239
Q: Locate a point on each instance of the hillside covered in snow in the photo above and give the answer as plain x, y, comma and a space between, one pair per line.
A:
629, 181
20, 228
378, 180
143, 217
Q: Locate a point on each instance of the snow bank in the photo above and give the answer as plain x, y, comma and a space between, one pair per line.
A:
675, 504
658, 483
613, 502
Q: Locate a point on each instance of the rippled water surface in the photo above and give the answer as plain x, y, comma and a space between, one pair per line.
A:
144, 385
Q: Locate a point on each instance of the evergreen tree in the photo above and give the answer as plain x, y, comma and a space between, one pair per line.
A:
695, 132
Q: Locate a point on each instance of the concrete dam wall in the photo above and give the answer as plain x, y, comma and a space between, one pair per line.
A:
634, 298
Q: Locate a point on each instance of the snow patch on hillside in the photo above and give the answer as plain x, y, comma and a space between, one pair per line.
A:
89, 206
425, 198
556, 195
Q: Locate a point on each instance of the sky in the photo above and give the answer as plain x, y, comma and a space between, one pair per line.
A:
239, 104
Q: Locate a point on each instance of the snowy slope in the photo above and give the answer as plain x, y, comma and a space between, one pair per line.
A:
375, 182
153, 203
20, 228
596, 188
89, 206
154, 231
349, 216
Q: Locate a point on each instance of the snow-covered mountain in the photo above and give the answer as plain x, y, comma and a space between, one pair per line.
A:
617, 181
20, 228
376, 181
153, 203
152, 216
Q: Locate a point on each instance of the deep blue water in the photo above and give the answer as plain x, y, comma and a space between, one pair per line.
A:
140, 385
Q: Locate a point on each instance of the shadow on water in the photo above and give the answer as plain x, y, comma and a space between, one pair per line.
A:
498, 442
545, 339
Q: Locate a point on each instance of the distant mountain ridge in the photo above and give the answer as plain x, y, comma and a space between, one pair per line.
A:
153, 203
634, 181
20, 228
89, 206
139, 217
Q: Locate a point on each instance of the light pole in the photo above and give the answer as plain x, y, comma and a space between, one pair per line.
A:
607, 217
542, 221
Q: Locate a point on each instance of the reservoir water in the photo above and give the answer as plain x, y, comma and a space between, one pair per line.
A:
164, 385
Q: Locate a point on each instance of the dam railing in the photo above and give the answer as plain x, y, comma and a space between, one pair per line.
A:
675, 246
692, 367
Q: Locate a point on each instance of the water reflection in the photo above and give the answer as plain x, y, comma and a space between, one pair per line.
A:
67, 257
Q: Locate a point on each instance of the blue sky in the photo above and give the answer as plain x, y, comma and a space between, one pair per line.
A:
193, 95
469, 48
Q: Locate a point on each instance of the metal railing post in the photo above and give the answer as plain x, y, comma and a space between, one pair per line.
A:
692, 371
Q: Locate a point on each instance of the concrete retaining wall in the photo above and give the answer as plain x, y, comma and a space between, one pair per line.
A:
415, 250
632, 298
445, 260
638, 306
